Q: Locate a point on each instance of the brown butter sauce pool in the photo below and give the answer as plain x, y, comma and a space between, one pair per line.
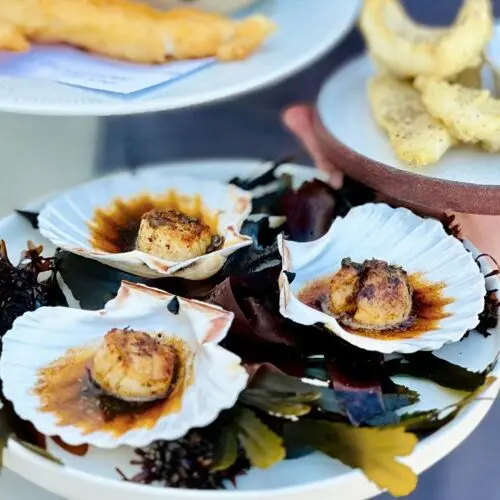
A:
429, 305
114, 229
66, 391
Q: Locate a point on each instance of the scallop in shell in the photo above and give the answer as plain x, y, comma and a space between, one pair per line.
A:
146, 367
385, 280
151, 224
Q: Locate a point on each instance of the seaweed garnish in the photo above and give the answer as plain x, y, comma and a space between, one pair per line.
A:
352, 194
426, 365
309, 211
21, 290
265, 178
253, 298
308, 390
31, 217
174, 306
452, 226
189, 465
488, 319
262, 254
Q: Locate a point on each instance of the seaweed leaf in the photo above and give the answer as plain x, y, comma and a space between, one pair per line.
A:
424, 423
488, 319
263, 179
39, 451
254, 301
5, 432
262, 254
262, 446
31, 217
452, 226
225, 449
101, 282
279, 405
277, 393
362, 387
309, 210
428, 366
374, 451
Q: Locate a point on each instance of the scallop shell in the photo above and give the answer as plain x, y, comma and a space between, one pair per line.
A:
399, 237
65, 220
39, 338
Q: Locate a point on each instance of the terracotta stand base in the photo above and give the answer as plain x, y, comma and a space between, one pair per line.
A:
424, 194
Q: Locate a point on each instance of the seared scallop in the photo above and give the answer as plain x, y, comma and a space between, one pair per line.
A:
173, 235
345, 287
134, 366
372, 296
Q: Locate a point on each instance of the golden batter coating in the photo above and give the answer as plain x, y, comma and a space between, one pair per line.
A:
172, 235
134, 366
371, 296
130, 31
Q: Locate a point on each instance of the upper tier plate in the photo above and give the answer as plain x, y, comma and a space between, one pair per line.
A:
465, 179
306, 30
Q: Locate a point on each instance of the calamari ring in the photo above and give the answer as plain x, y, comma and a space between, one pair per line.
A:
408, 49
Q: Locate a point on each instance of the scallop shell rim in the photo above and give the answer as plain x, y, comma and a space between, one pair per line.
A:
292, 308
55, 224
106, 440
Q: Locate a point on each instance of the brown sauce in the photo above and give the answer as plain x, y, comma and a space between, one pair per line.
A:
429, 305
66, 391
77, 451
114, 229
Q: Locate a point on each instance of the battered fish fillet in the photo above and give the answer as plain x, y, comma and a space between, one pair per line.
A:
417, 138
12, 39
472, 115
130, 31
409, 49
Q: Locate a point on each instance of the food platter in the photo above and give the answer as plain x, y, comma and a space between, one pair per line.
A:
284, 54
465, 179
94, 475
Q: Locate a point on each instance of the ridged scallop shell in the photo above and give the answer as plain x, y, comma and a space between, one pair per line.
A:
39, 338
67, 220
399, 237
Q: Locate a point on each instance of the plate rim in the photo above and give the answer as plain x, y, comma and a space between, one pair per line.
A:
440, 443
141, 106
419, 190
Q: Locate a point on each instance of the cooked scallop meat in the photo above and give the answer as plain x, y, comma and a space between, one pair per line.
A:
345, 287
371, 296
172, 235
134, 366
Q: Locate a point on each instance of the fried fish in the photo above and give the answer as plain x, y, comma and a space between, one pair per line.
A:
130, 31
417, 137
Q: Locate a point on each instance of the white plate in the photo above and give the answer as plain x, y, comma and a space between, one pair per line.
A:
94, 477
13, 487
307, 30
345, 111
465, 180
